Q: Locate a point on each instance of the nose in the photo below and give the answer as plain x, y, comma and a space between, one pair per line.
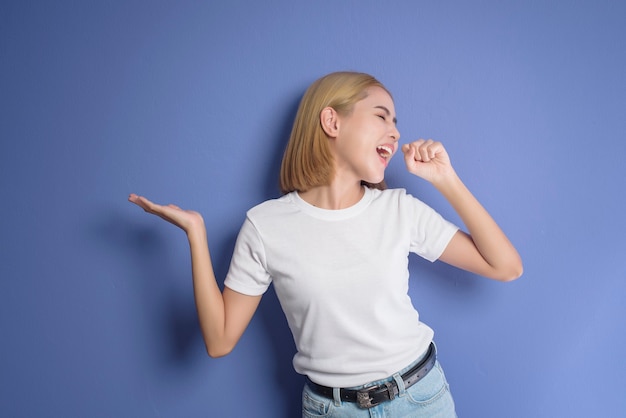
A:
395, 133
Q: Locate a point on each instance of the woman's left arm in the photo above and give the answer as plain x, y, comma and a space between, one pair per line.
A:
486, 250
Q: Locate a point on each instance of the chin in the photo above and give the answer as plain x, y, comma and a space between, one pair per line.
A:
379, 178
374, 180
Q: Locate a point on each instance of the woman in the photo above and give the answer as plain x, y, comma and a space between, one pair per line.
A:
335, 245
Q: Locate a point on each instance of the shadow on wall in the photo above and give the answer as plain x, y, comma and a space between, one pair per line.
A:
167, 316
163, 286
270, 311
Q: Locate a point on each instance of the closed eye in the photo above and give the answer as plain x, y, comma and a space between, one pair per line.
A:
387, 113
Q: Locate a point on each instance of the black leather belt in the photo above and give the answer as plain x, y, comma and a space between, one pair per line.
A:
374, 395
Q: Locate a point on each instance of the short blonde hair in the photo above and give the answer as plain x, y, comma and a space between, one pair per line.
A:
307, 161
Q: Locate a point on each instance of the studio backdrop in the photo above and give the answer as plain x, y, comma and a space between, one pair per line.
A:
192, 102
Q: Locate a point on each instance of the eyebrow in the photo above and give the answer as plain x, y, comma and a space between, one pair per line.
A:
395, 121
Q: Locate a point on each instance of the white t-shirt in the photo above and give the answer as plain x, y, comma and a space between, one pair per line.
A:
341, 277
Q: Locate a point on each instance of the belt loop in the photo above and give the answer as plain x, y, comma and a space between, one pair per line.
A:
337, 396
400, 383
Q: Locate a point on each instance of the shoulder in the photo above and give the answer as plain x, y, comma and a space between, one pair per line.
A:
392, 196
400, 202
272, 207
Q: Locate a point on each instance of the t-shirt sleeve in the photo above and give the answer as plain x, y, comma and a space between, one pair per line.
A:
431, 232
248, 273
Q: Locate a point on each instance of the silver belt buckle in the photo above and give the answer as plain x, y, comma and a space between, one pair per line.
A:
364, 400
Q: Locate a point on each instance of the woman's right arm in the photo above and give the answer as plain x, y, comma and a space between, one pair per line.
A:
223, 316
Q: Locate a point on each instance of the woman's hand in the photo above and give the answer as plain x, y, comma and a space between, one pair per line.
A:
223, 318
184, 219
486, 250
427, 159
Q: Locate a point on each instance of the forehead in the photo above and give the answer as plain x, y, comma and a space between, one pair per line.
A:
377, 96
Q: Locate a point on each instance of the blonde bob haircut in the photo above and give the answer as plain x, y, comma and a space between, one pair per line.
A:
308, 161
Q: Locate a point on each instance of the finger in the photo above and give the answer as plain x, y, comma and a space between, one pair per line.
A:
409, 153
415, 147
137, 200
145, 204
426, 150
435, 149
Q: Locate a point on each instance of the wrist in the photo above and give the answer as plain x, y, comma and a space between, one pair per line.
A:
448, 182
196, 230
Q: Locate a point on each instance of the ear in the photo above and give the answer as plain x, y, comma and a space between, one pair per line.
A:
330, 121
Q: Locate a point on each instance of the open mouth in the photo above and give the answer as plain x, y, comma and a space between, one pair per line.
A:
384, 151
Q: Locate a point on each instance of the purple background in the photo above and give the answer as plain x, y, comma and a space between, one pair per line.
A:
191, 102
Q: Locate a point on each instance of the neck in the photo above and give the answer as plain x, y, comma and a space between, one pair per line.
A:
333, 196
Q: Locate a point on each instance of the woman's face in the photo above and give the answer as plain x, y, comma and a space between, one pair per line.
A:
366, 138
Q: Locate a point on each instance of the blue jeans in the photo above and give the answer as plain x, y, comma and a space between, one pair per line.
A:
428, 398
